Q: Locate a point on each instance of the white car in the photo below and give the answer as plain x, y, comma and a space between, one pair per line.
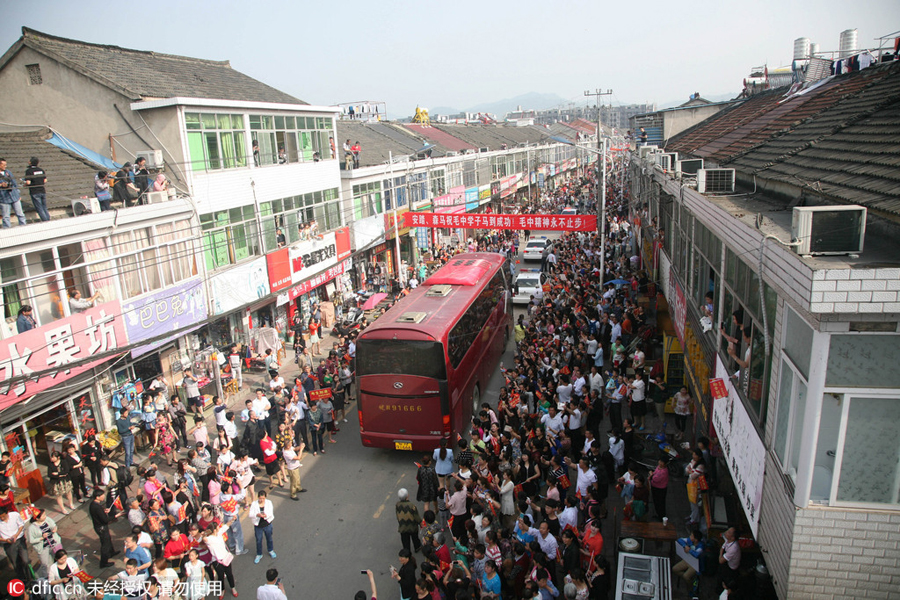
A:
528, 284
536, 249
569, 211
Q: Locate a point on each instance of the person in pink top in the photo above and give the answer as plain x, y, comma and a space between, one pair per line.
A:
659, 484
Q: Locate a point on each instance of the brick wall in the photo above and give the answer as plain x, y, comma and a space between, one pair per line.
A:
776, 527
856, 291
840, 553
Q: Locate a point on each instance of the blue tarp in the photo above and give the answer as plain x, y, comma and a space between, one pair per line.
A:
98, 159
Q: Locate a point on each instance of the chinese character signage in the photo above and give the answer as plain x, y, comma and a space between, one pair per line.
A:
278, 264
314, 282
455, 196
497, 221
313, 256
55, 346
240, 285
166, 311
717, 389
390, 229
743, 449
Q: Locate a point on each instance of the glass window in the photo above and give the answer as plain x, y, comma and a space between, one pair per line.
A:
798, 339
221, 145
870, 464
797, 428
861, 360
783, 413
13, 296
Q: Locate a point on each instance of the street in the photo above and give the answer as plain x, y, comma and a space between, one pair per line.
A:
346, 522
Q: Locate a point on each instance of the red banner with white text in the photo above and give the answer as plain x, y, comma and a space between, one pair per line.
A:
495, 221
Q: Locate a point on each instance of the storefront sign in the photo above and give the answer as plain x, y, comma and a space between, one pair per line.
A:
314, 282
744, 451
677, 306
495, 190
449, 210
168, 310
498, 221
55, 346
389, 225
312, 256
454, 197
278, 264
471, 198
240, 285
342, 241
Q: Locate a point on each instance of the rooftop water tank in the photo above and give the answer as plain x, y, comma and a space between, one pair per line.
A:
848, 42
801, 48
813, 49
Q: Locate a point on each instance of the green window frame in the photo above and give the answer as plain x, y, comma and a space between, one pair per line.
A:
216, 141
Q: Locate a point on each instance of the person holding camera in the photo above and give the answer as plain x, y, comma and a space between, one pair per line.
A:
10, 198
273, 590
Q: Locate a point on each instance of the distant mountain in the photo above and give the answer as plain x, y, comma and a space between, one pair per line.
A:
529, 101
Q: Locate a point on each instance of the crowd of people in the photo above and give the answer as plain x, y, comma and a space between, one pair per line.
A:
516, 511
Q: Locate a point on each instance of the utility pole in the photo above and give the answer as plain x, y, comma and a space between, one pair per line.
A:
601, 195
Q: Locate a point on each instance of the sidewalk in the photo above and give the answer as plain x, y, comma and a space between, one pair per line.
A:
76, 529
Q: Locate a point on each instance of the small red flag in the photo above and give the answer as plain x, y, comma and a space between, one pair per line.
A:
229, 505
182, 513
450, 522
418, 466
196, 492
82, 576
118, 503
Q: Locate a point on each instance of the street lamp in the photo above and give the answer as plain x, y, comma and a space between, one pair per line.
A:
602, 208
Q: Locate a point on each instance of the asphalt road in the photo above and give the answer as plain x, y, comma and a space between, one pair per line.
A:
346, 521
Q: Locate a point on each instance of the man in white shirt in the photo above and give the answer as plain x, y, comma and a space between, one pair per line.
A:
638, 403
273, 590
616, 331
585, 479
569, 515
578, 384
553, 423
546, 540
12, 535
234, 359
564, 390
596, 380
292, 457
592, 344
230, 427
262, 513
261, 406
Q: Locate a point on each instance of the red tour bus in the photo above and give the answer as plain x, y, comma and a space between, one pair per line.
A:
423, 366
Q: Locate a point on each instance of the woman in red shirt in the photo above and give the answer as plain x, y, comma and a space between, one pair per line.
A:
591, 543
270, 459
314, 337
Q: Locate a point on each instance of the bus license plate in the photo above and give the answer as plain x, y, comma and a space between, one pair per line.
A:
403, 445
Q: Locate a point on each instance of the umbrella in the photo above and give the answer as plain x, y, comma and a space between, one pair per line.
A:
617, 282
375, 299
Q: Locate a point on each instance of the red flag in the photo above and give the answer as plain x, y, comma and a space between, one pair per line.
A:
418, 466
564, 481
182, 513
196, 492
226, 480
229, 505
118, 503
450, 522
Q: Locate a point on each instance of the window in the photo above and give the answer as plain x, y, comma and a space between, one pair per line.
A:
229, 236
176, 257
13, 295
34, 74
870, 458
463, 335
789, 418
741, 292
367, 200
216, 141
281, 139
398, 190
436, 179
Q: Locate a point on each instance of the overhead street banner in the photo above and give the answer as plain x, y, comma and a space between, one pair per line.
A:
495, 221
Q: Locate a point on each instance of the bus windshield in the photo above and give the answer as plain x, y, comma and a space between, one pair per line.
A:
401, 357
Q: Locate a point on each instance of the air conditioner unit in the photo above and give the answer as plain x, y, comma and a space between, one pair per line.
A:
689, 165
155, 197
664, 161
715, 181
828, 229
647, 150
154, 158
85, 206
484, 149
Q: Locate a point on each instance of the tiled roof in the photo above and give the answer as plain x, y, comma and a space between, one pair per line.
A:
68, 176
492, 136
850, 151
146, 75
584, 126
435, 135
839, 140
378, 141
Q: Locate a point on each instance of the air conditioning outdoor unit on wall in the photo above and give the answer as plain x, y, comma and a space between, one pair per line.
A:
689, 165
156, 197
664, 161
715, 181
85, 206
154, 158
829, 229
647, 150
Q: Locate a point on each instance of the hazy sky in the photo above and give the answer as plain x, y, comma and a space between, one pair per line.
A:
463, 52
